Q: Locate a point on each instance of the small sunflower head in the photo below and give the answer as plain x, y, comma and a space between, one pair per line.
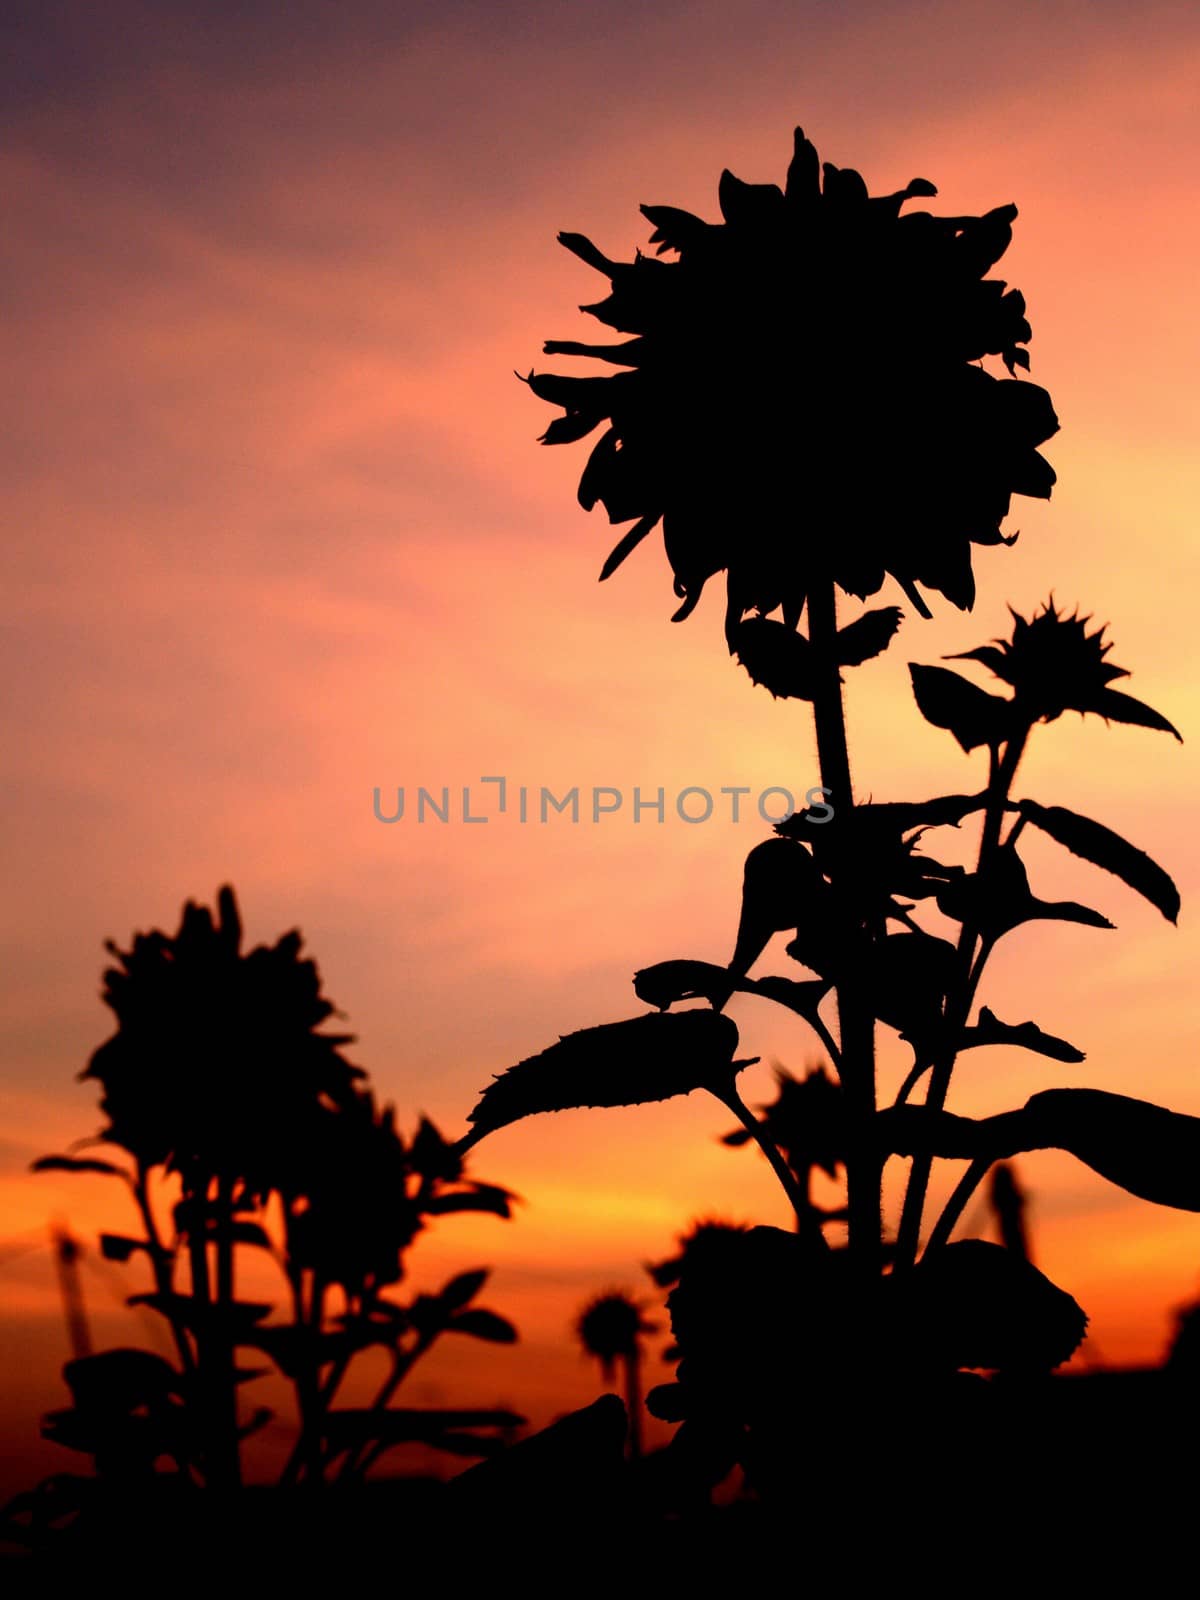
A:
1055, 663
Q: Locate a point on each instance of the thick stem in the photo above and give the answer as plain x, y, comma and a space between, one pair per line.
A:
856, 1022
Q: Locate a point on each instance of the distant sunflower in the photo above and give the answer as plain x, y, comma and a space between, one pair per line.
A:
805, 400
217, 1064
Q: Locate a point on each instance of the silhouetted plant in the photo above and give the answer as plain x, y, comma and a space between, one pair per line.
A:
804, 1123
807, 410
218, 1079
611, 1329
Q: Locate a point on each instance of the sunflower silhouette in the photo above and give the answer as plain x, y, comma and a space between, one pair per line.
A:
218, 1061
805, 399
1053, 664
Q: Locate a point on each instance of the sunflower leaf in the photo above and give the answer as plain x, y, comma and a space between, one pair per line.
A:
1027, 1035
1093, 842
1117, 707
1143, 1148
869, 636
775, 656
950, 701
652, 1057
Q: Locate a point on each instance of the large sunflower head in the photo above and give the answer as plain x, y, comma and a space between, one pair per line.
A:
804, 397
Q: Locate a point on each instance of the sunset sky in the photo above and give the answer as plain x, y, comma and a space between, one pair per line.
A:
277, 531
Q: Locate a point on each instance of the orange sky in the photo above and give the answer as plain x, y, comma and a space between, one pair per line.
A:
277, 531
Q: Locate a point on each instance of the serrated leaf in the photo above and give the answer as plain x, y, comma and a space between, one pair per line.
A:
775, 656
643, 1059
948, 700
1093, 842
867, 637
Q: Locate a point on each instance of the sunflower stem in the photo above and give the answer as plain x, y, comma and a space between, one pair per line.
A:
962, 989
797, 1198
856, 1022
957, 1203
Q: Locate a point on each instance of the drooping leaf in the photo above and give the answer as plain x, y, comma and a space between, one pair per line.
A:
781, 889
1093, 842
1027, 1035
480, 1324
1143, 1148
948, 700
868, 636
643, 1059
975, 1304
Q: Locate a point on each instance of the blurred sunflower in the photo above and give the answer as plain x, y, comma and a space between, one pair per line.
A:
805, 401
1053, 664
217, 1062
610, 1329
